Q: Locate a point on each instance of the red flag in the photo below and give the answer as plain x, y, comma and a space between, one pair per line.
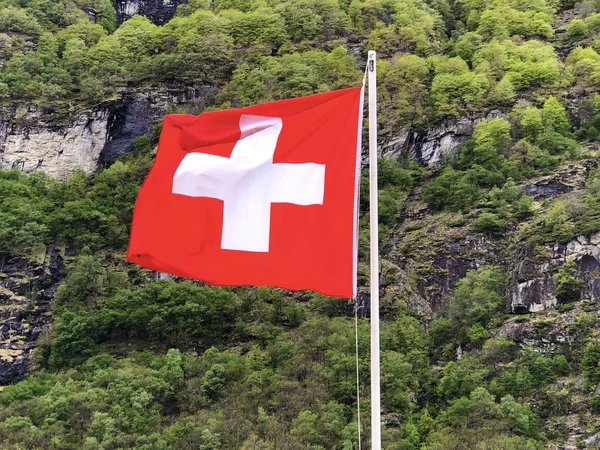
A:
264, 196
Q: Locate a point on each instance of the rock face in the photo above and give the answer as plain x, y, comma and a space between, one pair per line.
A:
433, 146
533, 288
26, 290
39, 145
30, 140
137, 112
571, 177
425, 258
158, 11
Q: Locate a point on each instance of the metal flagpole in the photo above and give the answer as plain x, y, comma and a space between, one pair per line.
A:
375, 370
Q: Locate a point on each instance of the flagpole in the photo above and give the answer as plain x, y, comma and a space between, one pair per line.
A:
373, 192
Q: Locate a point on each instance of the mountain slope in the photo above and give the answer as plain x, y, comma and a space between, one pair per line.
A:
489, 229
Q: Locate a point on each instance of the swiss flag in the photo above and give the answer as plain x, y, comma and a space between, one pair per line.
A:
264, 196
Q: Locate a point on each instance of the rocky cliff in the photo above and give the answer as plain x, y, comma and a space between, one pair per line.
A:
432, 146
533, 286
27, 288
33, 139
428, 253
158, 11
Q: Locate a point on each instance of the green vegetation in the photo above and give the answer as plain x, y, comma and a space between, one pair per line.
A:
133, 361
259, 51
94, 213
568, 216
199, 354
568, 286
202, 361
483, 172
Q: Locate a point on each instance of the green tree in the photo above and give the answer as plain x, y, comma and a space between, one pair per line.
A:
478, 296
498, 351
590, 364
568, 285
504, 91
213, 381
489, 223
74, 340
531, 123
576, 29
460, 378
555, 117
452, 190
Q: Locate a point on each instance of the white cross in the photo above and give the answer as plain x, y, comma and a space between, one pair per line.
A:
248, 182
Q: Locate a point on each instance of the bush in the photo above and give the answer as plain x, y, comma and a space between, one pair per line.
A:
451, 190
590, 364
508, 425
592, 23
568, 286
74, 339
389, 172
531, 123
478, 296
170, 312
533, 63
452, 94
577, 29
498, 351
510, 201
563, 308
489, 224
595, 404
555, 116
504, 92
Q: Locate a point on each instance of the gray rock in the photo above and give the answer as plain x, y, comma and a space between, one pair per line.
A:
136, 113
26, 289
433, 146
39, 145
532, 287
593, 441
31, 140
571, 177
158, 11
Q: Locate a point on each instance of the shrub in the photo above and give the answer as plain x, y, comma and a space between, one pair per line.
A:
590, 364
504, 92
451, 190
531, 123
387, 209
451, 94
389, 172
568, 286
595, 404
592, 23
555, 116
563, 308
586, 321
489, 224
577, 29
499, 351
74, 339
477, 297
